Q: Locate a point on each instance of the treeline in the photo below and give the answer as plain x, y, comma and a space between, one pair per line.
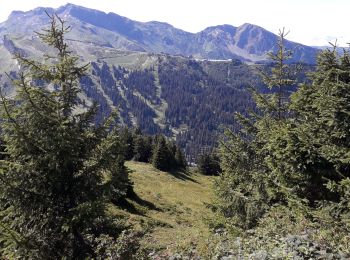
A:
157, 150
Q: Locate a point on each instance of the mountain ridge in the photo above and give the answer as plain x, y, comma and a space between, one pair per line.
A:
246, 42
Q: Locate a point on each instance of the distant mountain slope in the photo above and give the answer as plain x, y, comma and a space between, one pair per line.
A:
247, 42
185, 98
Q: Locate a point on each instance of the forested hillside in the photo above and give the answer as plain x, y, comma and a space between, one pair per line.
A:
182, 98
188, 100
185, 97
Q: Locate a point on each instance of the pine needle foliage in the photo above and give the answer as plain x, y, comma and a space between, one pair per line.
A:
161, 155
294, 152
247, 187
59, 168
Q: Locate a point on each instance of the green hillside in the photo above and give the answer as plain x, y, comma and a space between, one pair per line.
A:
170, 207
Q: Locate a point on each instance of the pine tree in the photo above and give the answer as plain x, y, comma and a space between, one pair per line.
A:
323, 109
142, 147
180, 160
171, 155
315, 146
281, 76
247, 186
52, 185
161, 158
127, 140
293, 151
209, 164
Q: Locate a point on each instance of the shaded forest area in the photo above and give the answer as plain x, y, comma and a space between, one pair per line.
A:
185, 99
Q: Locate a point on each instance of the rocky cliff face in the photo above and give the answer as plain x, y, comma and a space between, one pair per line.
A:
11, 47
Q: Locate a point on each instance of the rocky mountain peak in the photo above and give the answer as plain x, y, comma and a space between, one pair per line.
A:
247, 42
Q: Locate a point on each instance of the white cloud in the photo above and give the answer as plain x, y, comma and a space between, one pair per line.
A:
310, 21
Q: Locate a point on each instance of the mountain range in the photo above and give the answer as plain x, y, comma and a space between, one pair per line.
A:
160, 78
247, 42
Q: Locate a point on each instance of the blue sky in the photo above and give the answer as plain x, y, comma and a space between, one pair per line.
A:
311, 22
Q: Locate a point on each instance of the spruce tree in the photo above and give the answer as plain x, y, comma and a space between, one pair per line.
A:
127, 139
180, 159
323, 109
58, 165
293, 151
171, 156
209, 164
142, 147
161, 155
316, 143
247, 186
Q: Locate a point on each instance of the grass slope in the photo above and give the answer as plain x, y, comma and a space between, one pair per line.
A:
170, 207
